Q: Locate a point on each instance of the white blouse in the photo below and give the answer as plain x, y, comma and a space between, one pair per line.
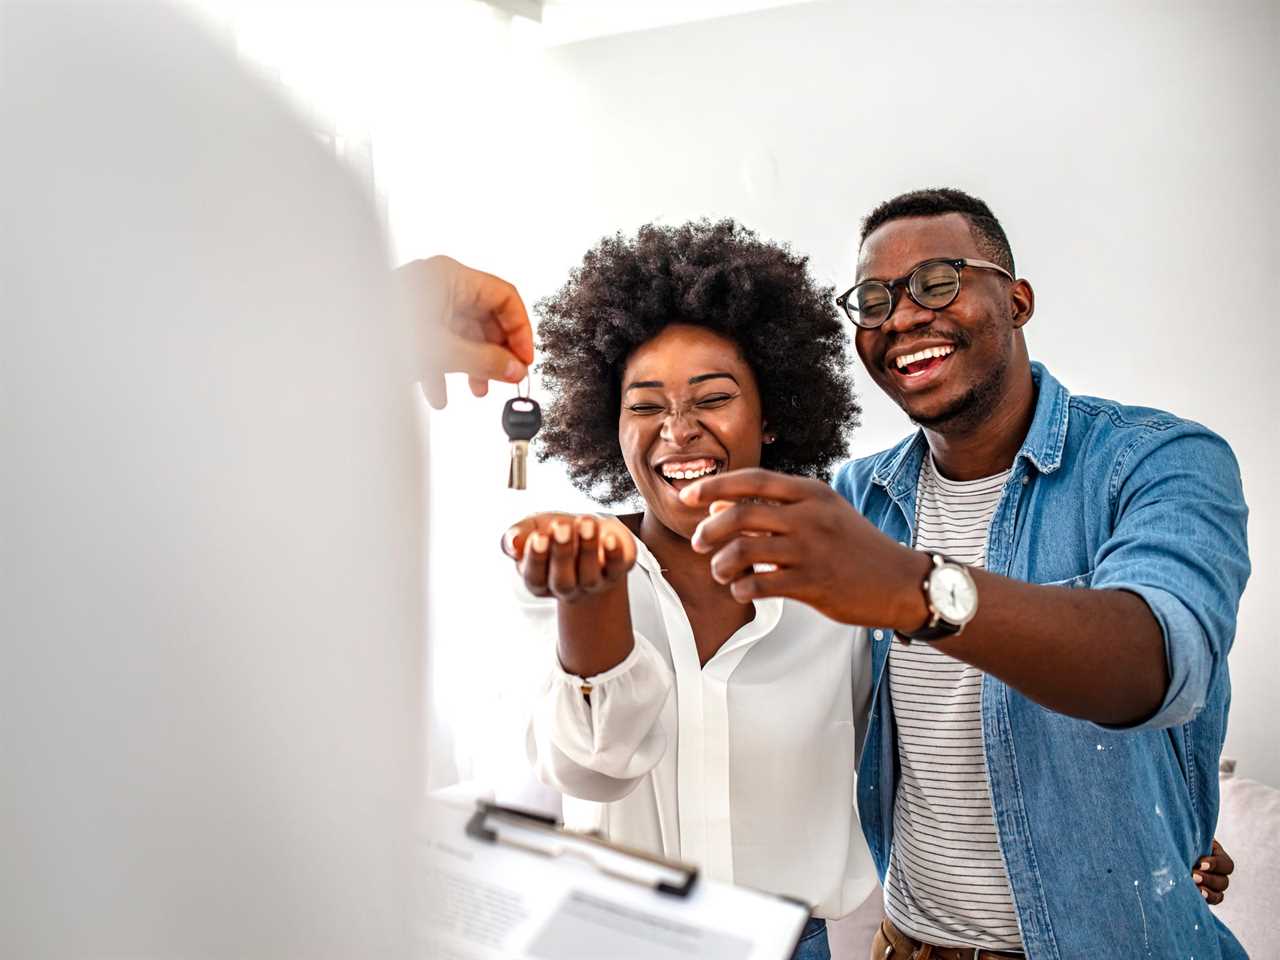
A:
746, 770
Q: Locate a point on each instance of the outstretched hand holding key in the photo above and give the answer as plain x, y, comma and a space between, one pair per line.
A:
473, 323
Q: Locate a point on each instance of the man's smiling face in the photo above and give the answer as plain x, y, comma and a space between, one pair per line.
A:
944, 367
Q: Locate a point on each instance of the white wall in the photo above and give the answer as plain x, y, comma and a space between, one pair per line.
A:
1129, 149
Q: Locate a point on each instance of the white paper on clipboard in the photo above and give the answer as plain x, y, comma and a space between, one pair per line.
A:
528, 897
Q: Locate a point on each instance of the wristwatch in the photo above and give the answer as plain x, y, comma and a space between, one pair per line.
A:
952, 598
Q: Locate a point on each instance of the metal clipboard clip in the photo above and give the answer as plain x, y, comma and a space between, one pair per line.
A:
545, 836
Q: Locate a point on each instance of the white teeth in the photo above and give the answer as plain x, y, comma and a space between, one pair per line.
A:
926, 354
691, 471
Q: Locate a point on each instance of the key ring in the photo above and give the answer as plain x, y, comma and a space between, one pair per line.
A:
527, 385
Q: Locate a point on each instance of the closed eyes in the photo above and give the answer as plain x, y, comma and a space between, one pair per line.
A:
711, 402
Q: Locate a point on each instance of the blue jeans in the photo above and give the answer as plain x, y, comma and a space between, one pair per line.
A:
813, 943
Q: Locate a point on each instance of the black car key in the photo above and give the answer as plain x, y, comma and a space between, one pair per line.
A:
521, 418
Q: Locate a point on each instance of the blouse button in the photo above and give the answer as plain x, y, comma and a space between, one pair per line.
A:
879, 634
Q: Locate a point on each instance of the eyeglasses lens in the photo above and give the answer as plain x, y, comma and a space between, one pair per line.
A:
935, 284
872, 302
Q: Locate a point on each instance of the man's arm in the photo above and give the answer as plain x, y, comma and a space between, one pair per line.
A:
1142, 650
1094, 654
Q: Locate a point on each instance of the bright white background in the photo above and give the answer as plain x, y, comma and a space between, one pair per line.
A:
1130, 149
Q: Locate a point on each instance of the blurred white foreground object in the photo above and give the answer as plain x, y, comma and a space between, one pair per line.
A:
209, 513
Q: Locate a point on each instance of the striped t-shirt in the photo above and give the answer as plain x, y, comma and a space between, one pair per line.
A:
946, 883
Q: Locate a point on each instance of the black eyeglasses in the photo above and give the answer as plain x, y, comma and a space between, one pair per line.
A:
932, 284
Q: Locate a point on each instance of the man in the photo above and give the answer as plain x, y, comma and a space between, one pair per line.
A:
1041, 765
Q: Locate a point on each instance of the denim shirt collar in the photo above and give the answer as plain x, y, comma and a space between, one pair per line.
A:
899, 469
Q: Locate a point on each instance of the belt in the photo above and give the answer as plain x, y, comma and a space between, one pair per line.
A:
892, 942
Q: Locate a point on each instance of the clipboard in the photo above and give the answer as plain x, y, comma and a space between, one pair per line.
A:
499, 882
545, 836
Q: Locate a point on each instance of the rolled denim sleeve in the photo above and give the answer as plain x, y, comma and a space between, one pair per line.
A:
1179, 542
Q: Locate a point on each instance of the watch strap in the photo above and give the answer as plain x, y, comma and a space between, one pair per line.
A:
939, 630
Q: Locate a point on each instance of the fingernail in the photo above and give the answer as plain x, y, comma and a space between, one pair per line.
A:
539, 542
587, 529
1197, 878
561, 531
610, 541
509, 542
515, 370
688, 494
1204, 893
1204, 865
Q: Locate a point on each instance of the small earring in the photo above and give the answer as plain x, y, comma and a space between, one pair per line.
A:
768, 438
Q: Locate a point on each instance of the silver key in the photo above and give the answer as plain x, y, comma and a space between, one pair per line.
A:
521, 419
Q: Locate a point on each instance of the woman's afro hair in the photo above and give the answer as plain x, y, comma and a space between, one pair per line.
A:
715, 275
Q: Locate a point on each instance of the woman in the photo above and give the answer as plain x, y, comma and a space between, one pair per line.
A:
674, 718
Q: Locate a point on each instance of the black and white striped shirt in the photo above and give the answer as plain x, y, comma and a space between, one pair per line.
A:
947, 882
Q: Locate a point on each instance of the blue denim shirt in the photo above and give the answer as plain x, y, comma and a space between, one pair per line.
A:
1098, 826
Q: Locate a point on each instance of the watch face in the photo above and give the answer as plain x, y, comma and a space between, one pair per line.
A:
952, 593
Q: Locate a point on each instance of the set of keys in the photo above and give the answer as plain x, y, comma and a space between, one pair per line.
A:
521, 420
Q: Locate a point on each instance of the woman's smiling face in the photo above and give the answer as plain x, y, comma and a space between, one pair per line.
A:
690, 408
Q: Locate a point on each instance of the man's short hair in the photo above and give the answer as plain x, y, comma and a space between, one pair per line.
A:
935, 202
